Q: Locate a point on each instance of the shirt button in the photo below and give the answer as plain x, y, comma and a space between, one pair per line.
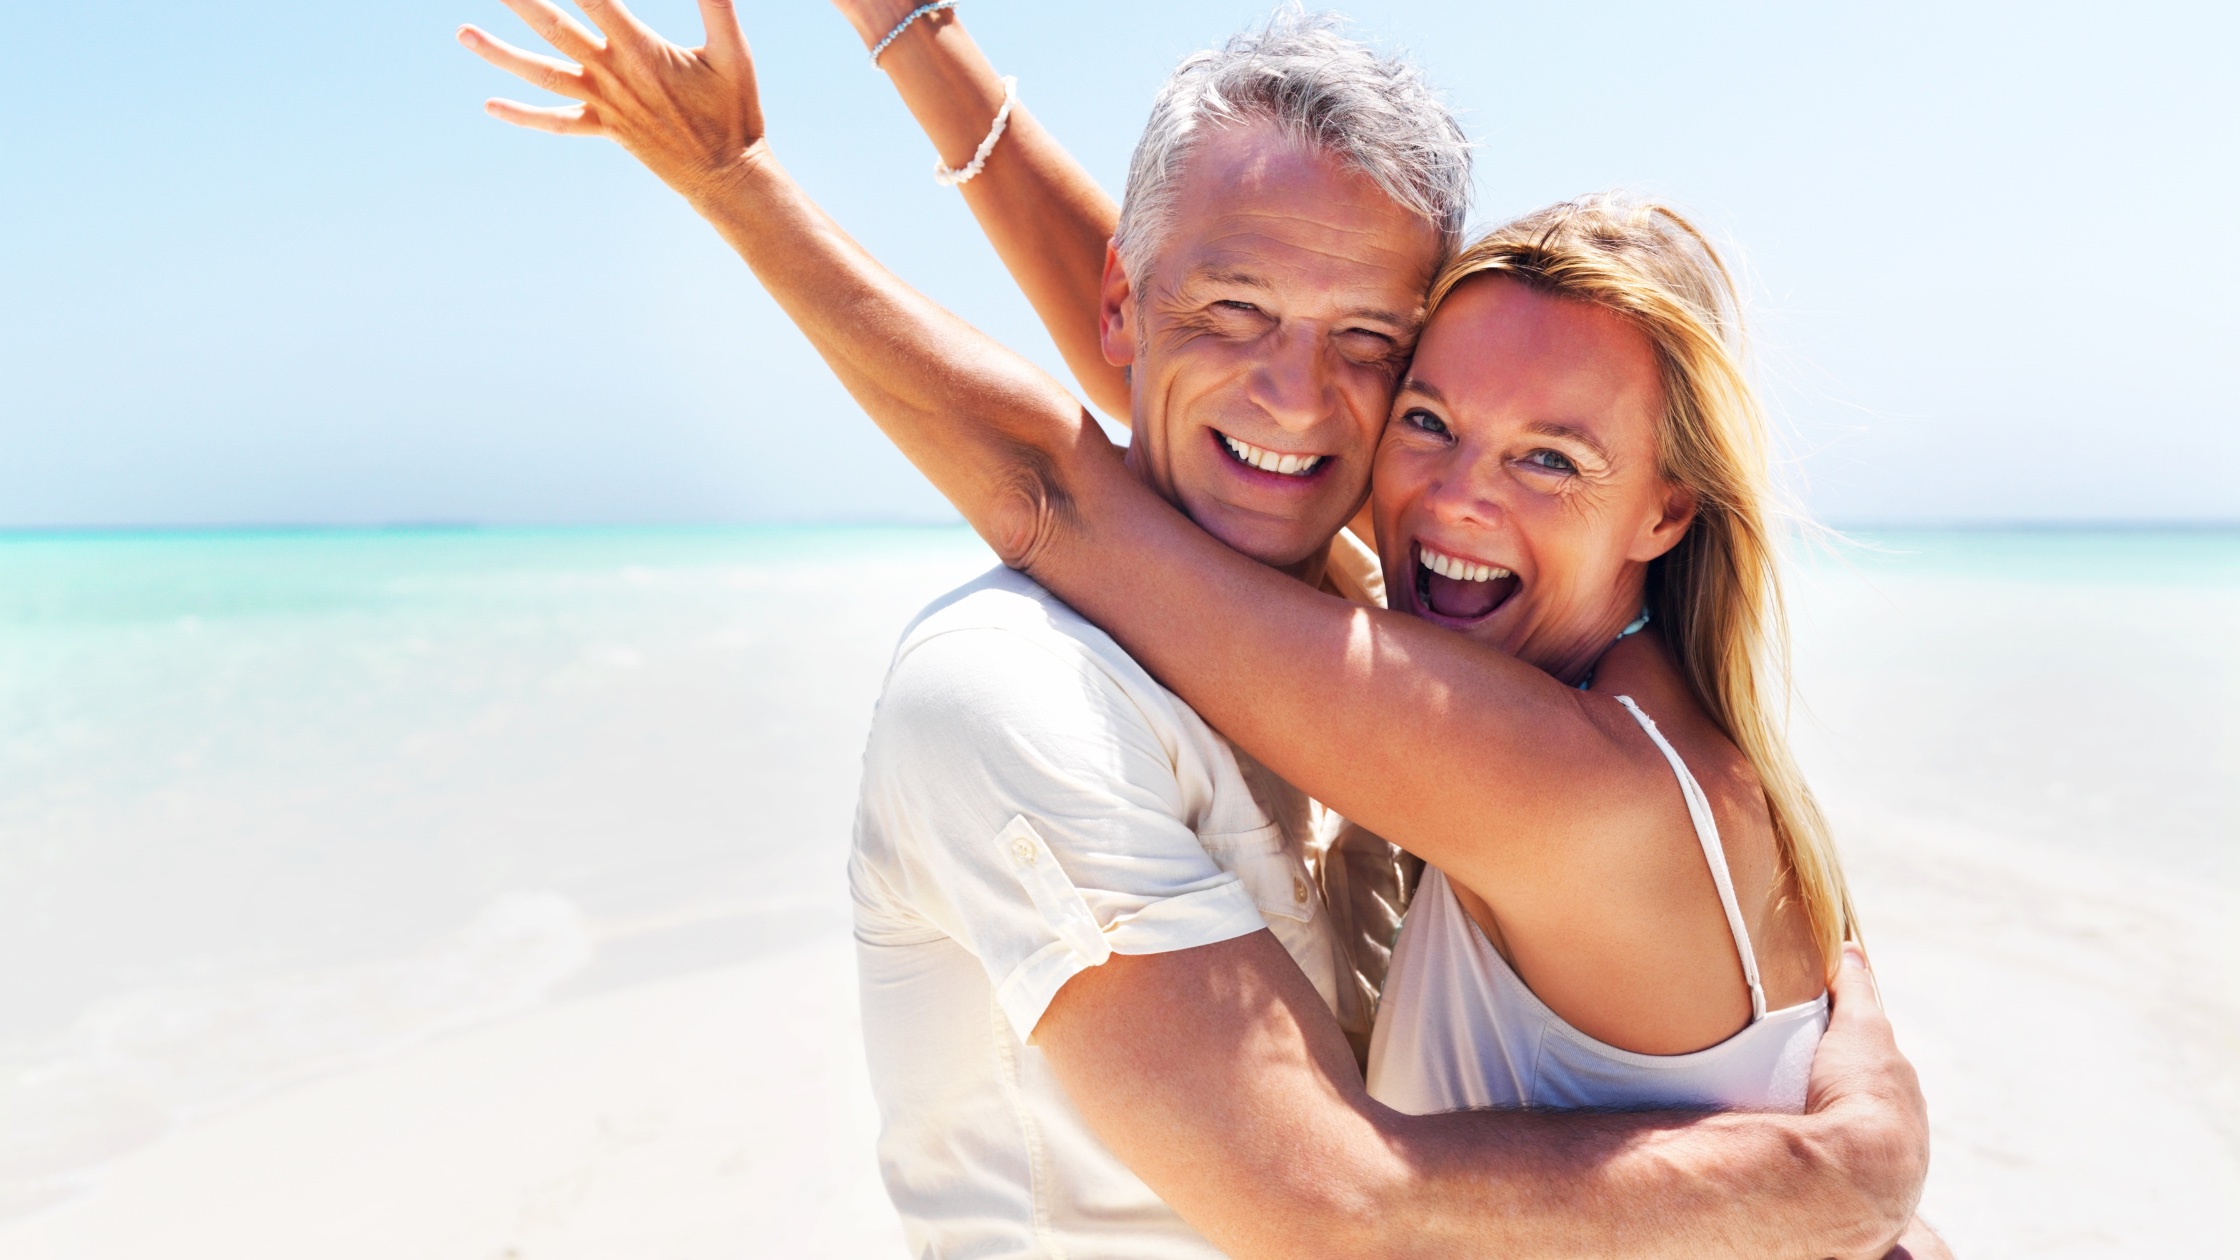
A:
1024, 851
1298, 890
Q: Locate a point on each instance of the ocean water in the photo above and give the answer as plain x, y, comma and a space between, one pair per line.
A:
274, 804
2064, 687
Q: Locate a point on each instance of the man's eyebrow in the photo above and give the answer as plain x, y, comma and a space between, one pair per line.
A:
1230, 275
1261, 284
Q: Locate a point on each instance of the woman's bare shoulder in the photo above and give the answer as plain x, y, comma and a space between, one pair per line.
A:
1780, 930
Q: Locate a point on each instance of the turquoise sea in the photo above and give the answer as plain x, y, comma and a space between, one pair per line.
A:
275, 802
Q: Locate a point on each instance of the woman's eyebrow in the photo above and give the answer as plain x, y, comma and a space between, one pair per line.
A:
1417, 385
1390, 319
1558, 429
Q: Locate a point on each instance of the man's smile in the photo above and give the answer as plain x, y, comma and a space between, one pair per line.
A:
1277, 462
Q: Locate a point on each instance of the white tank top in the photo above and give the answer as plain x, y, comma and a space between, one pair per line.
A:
1458, 1029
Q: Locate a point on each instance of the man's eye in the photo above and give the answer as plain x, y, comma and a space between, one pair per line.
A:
1424, 421
1243, 307
1553, 461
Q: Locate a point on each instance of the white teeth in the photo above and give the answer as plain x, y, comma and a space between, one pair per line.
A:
1460, 570
1270, 461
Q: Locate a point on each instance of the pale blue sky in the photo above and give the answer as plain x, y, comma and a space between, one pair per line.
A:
268, 262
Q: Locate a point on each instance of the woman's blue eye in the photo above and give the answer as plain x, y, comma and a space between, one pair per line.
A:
1425, 421
1553, 461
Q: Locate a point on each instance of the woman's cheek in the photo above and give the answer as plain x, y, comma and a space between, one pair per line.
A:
1410, 472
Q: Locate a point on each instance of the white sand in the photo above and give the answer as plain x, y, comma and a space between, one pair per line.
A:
721, 1113
2075, 1015
2076, 1035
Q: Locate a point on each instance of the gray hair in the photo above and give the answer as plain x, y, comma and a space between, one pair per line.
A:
1374, 114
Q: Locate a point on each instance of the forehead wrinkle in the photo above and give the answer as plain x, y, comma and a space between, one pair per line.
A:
1273, 223
1231, 275
1250, 210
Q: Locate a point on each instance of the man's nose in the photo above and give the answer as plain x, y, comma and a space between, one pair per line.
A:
1293, 382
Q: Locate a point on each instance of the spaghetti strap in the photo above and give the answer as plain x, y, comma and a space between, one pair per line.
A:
1707, 834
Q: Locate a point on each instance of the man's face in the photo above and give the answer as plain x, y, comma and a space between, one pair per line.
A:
1265, 342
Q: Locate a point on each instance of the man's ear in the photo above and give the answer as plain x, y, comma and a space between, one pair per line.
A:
1116, 321
1665, 532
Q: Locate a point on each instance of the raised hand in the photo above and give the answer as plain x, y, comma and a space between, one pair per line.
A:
691, 115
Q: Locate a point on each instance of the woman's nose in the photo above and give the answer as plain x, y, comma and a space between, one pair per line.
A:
1461, 498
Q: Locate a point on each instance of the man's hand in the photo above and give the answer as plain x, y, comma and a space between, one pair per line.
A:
1861, 1082
690, 114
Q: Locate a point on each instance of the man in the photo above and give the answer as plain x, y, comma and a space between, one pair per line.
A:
1096, 976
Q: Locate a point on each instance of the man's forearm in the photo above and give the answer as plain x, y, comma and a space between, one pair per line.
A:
1048, 220
1615, 1185
1218, 1076
1840, 1180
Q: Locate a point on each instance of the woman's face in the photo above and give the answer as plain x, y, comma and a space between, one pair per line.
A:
1516, 495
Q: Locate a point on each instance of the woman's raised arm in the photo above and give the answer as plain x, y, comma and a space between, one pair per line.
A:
1048, 220
1295, 676
981, 422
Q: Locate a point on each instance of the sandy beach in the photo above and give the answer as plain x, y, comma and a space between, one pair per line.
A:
609, 1007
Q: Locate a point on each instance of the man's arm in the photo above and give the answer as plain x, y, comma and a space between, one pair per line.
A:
1218, 1077
1048, 220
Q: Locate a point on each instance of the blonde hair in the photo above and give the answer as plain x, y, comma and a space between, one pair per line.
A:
1716, 595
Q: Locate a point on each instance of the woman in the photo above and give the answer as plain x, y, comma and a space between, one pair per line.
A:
1575, 440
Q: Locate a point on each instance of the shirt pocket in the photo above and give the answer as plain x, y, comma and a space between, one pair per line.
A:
1273, 875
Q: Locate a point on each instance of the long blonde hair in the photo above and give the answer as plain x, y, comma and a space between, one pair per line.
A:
1716, 595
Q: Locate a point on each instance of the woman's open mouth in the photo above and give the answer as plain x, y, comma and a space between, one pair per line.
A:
1458, 589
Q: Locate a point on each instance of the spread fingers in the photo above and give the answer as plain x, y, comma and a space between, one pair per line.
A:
545, 72
557, 28
560, 120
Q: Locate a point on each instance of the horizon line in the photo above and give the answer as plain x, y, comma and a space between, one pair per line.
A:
441, 526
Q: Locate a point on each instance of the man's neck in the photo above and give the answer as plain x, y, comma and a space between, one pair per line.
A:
1309, 570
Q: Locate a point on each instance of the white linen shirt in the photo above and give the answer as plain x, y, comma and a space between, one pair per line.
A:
1033, 803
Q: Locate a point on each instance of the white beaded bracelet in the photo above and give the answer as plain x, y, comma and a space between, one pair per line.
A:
947, 178
904, 25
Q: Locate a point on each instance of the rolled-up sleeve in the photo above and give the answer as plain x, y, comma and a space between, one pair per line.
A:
1020, 801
